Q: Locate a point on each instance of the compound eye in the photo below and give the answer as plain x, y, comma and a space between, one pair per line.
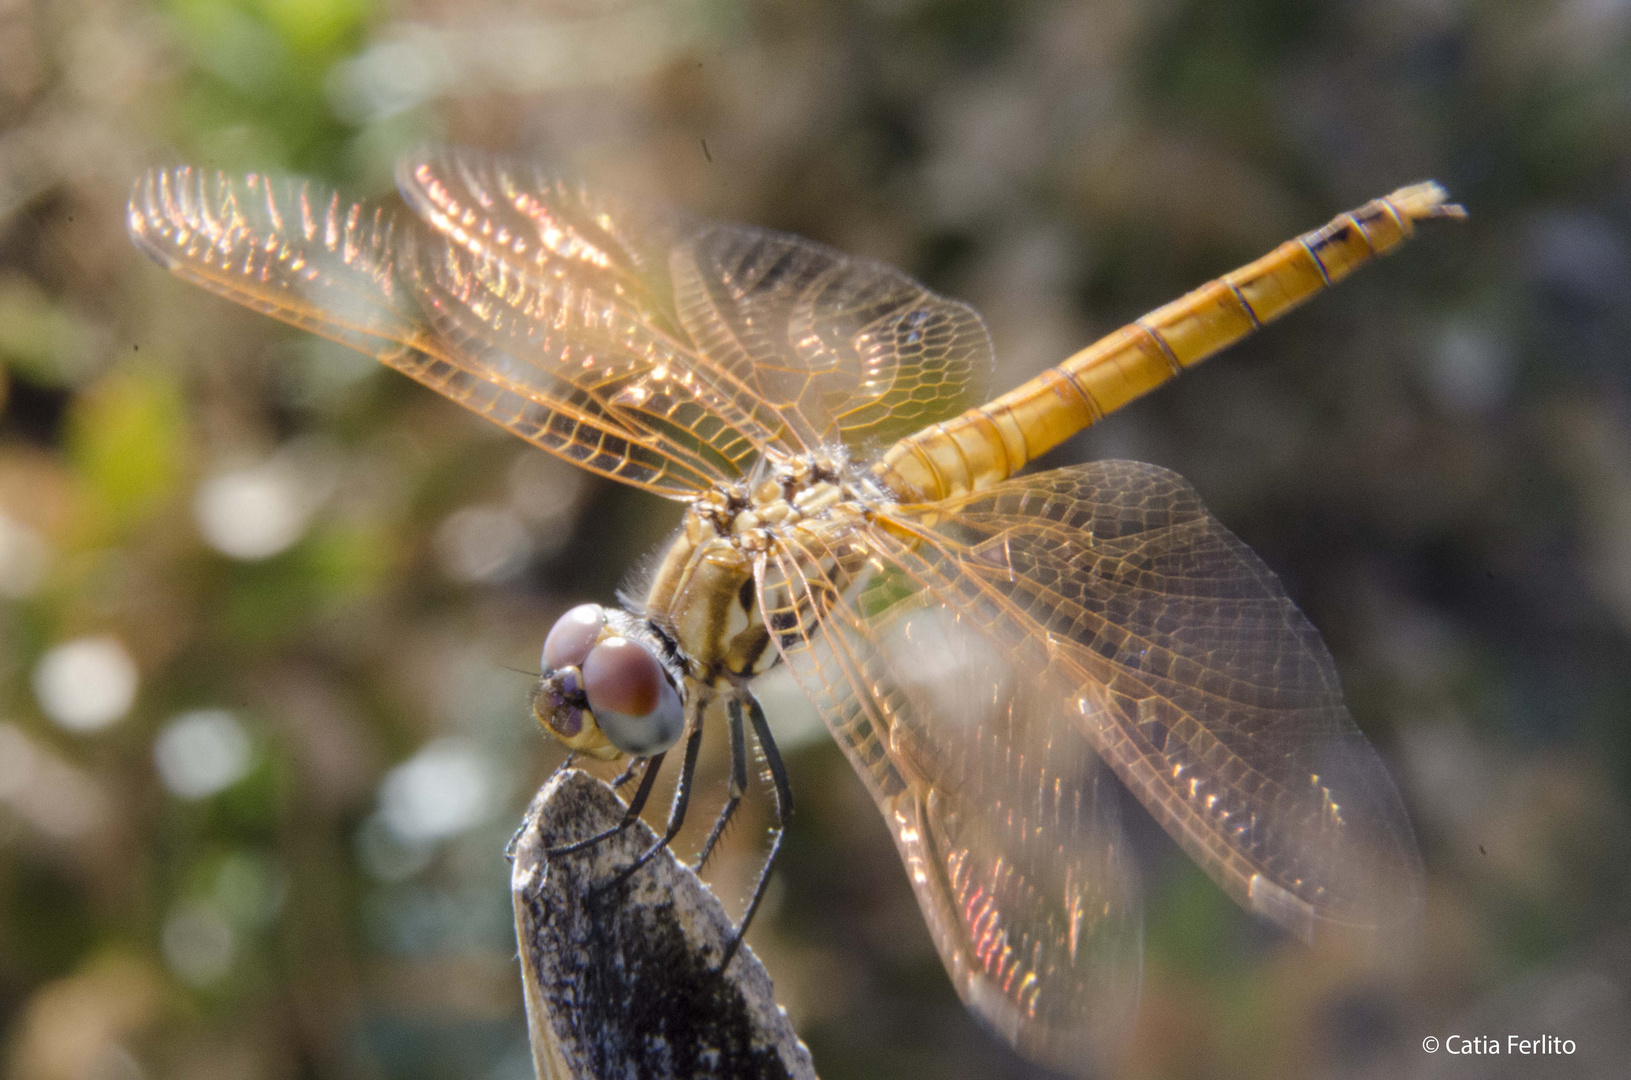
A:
637, 708
573, 635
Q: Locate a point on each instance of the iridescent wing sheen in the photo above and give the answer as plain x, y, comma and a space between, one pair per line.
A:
1179, 655
1004, 817
812, 345
1140, 628
385, 282
551, 276
844, 347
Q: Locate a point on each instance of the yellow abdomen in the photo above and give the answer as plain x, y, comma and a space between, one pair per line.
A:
992, 442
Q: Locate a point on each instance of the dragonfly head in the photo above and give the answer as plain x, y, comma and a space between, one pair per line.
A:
604, 692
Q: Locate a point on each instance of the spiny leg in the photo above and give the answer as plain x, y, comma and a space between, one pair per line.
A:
628, 774
676, 811
783, 792
636, 804
739, 778
515, 837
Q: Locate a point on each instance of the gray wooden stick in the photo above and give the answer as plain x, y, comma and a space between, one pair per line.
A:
623, 982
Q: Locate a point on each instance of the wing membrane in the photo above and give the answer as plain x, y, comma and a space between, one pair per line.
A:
564, 281
288, 249
349, 271
1194, 676
843, 347
1004, 819
665, 352
792, 342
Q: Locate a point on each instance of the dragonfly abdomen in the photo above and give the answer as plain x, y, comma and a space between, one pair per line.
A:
992, 442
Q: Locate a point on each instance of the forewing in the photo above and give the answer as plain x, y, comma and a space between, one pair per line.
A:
1005, 820
794, 344
348, 271
288, 249
842, 347
1195, 677
559, 278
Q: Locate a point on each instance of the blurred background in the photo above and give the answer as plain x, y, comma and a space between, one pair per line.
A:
271, 613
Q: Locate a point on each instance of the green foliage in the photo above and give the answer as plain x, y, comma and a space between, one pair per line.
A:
41, 339
256, 95
127, 438
1216, 62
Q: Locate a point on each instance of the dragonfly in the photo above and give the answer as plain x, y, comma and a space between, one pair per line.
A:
988, 647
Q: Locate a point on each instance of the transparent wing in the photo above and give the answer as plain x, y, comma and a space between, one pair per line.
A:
1193, 675
1004, 818
793, 343
354, 273
549, 276
845, 348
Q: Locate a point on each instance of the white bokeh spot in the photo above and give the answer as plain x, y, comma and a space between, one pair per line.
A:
86, 684
483, 543
443, 790
255, 511
203, 752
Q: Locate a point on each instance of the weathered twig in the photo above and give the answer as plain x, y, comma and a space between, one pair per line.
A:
624, 981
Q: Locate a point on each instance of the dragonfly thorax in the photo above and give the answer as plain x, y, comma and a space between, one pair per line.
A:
704, 594
795, 491
615, 682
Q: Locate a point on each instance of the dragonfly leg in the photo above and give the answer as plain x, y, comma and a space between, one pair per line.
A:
739, 778
676, 811
783, 792
515, 838
627, 774
636, 804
